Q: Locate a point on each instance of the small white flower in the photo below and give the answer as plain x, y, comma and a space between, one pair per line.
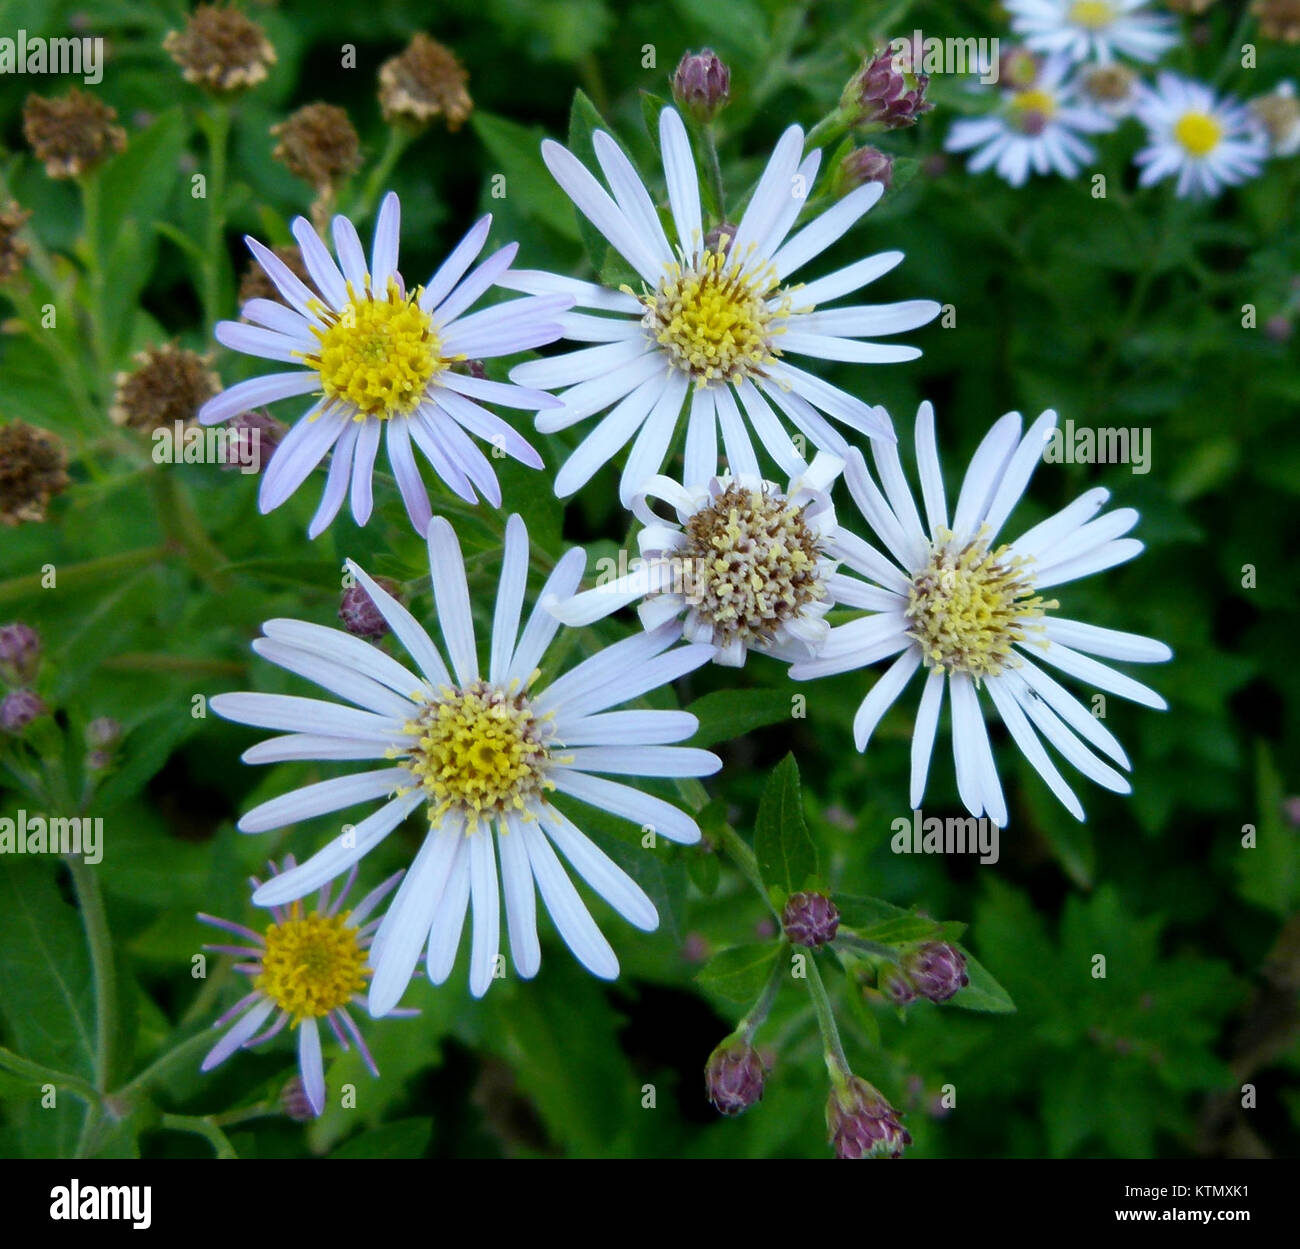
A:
717, 319
744, 568
306, 967
972, 614
1207, 142
483, 755
1033, 131
1098, 30
381, 358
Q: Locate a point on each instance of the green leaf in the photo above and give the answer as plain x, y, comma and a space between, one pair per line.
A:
1268, 874
584, 121
786, 855
725, 714
739, 974
404, 1138
517, 150
983, 993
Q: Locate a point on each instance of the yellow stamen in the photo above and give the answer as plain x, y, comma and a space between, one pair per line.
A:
1094, 14
969, 605
713, 317
482, 750
379, 353
1035, 100
312, 965
1198, 133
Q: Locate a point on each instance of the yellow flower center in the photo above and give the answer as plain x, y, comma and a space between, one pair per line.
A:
713, 318
751, 563
969, 605
1094, 14
1036, 101
1198, 133
312, 965
379, 353
482, 750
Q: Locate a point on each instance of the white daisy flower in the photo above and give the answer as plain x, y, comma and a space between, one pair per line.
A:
1033, 131
717, 318
483, 754
973, 615
1207, 142
380, 357
743, 568
306, 966
1099, 30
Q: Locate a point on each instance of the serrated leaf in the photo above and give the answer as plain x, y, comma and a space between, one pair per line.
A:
785, 851
739, 974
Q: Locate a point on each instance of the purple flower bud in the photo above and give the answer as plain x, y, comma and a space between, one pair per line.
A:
810, 919
1278, 328
897, 986
19, 709
294, 1102
885, 94
103, 733
937, 969
254, 436
862, 1124
359, 614
733, 1077
865, 164
20, 652
702, 84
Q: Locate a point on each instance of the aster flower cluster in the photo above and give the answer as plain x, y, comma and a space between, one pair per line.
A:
1078, 72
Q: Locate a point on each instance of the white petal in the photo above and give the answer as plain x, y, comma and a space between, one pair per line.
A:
542, 626
486, 926
334, 794
600, 871
406, 629
883, 695
310, 1064
631, 804
451, 598
923, 731
520, 899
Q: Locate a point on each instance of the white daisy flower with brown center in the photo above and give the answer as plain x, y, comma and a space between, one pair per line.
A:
950, 599
744, 566
384, 362
485, 751
716, 322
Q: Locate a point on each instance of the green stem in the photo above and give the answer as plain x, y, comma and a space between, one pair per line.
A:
188, 1051
851, 941
757, 1013
204, 1126
90, 204
91, 900
17, 588
399, 139
715, 173
35, 1073
215, 262
836, 1062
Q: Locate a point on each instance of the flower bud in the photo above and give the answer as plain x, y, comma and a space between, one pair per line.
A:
896, 985
253, 437
702, 84
294, 1102
733, 1077
810, 919
936, 969
19, 708
20, 652
865, 164
359, 614
862, 1124
885, 94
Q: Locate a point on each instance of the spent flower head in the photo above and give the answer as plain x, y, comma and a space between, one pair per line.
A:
33, 466
422, 83
1278, 19
71, 134
318, 144
221, 49
168, 384
13, 249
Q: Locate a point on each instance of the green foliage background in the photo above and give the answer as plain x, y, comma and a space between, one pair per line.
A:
1126, 310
